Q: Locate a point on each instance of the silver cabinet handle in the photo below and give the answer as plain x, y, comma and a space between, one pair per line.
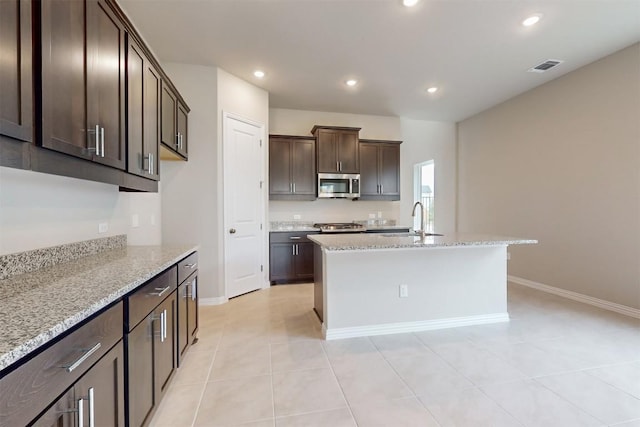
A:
86, 354
294, 187
338, 166
102, 142
164, 320
191, 266
293, 249
162, 291
381, 189
92, 420
232, 231
151, 164
162, 327
98, 140
295, 237
194, 289
80, 412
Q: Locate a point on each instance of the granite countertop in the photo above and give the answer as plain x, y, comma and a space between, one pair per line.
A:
38, 306
351, 242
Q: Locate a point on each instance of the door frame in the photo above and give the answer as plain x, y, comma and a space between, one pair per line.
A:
263, 232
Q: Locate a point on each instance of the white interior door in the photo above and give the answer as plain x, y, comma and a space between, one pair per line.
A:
243, 161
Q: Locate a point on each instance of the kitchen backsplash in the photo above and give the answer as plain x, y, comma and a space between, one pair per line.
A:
332, 210
24, 262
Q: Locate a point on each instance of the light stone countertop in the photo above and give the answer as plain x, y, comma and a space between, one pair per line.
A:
374, 241
38, 306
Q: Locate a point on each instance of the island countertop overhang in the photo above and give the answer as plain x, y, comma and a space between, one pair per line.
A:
355, 242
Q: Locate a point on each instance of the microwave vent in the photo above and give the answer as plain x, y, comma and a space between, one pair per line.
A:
545, 66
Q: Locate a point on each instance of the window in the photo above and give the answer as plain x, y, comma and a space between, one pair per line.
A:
424, 192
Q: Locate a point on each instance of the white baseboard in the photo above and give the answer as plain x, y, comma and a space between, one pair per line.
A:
213, 301
405, 327
586, 299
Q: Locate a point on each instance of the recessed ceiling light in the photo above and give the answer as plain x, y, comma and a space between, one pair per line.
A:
351, 82
259, 74
532, 20
410, 3
432, 89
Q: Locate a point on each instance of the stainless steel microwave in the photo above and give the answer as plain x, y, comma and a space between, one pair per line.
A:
338, 185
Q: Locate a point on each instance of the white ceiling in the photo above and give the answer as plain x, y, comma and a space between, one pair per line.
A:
476, 51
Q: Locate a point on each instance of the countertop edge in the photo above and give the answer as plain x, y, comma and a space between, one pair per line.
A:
32, 344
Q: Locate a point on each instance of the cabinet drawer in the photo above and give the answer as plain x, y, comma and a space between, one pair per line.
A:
187, 266
144, 299
293, 237
29, 389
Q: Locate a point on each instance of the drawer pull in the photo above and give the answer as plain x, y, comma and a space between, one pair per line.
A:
295, 238
162, 291
85, 356
191, 266
80, 412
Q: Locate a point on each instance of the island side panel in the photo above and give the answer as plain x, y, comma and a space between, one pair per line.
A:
447, 286
318, 277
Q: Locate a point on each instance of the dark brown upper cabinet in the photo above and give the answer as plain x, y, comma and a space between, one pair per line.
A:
379, 170
83, 81
174, 125
16, 78
143, 124
337, 149
292, 168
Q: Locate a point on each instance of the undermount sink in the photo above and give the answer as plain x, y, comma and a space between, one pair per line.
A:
410, 234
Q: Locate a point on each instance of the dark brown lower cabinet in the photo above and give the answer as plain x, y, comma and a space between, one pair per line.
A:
97, 398
187, 314
151, 359
290, 257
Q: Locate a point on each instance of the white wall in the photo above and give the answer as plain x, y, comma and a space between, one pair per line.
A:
425, 141
192, 192
561, 163
40, 210
190, 189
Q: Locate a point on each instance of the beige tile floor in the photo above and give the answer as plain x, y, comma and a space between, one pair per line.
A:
261, 361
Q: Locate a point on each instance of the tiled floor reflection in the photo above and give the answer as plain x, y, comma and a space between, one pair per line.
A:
261, 361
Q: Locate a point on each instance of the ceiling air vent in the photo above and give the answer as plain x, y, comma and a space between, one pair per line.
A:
546, 65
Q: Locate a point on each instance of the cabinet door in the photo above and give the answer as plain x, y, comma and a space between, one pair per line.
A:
151, 145
164, 345
105, 81
183, 130
135, 108
327, 149
143, 83
140, 372
389, 173
102, 390
64, 126
63, 413
192, 308
168, 118
348, 157
281, 261
15, 70
369, 182
303, 167
280, 166
304, 261
183, 320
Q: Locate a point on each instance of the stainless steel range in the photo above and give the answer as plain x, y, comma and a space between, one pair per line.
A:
340, 227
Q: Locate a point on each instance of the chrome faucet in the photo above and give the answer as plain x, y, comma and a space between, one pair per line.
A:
423, 224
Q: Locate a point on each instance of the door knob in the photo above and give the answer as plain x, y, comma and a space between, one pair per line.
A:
232, 231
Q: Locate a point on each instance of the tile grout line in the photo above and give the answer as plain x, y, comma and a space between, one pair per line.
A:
335, 377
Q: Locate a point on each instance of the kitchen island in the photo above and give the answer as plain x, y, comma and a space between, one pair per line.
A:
375, 284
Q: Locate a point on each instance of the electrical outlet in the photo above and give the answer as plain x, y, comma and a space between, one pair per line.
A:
404, 291
372, 216
103, 227
135, 221
297, 216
